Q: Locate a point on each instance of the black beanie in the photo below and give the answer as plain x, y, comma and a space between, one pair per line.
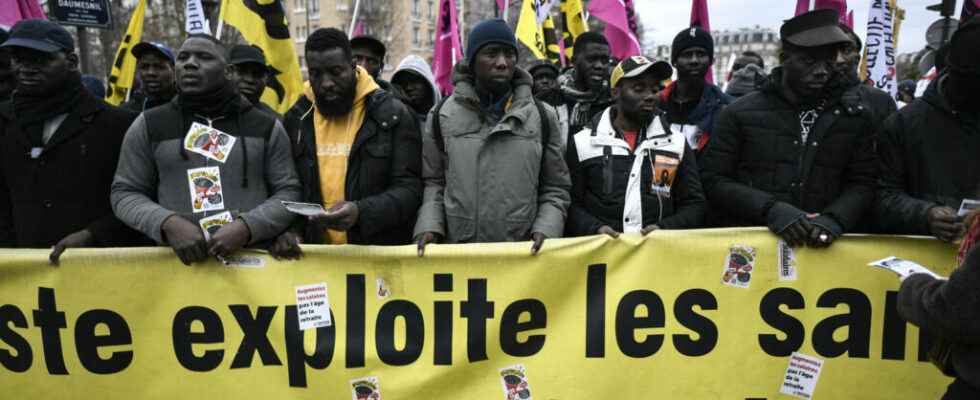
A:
487, 32
694, 36
962, 53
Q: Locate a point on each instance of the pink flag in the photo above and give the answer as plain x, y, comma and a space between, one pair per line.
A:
699, 17
448, 50
802, 7
970, 9
501, 4
850, 20
837, 5
20, 9
620, 25
358, 29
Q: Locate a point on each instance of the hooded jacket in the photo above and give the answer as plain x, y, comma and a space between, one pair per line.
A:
413, 64
702, 118
491, 184
928, 153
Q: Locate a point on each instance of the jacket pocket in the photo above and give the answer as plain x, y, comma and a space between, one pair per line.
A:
459, 228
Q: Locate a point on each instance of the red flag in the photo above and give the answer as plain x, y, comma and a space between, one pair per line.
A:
850, 19
802, 7
448, 50
699, 17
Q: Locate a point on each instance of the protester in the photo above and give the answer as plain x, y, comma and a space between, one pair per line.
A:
492, 162
251, 73
155, 73
545, 88
906, 93
879, 104
585, 87
369, 53
629, 172
7, 80
928, 150
187, 164
58, 149
946, 309
691, 104
795, 156
746, 58
358, 150
748, 74
414, 83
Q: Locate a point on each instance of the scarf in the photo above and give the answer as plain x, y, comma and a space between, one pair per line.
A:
33, 110
584, 101
223, 101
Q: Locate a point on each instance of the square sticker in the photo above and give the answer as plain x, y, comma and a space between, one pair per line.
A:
738, 266
211, 224
205, 188
801, 376
313, 306
367, 388
209, 142
514, 381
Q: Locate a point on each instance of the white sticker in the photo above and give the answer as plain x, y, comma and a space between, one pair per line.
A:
738, 266
210, 225
967, 206
307, 209
205, 187
801, 376
367, 388
786, 262
36, 152
209, 142
313, 306
903, 268
243, 261
515, 384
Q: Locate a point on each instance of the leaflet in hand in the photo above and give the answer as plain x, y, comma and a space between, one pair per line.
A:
904, 268
307, 209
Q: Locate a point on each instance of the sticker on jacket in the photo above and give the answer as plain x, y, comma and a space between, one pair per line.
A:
209, 142
514, 380
664, 173
205, 186
738, 266
210, 225
367, 388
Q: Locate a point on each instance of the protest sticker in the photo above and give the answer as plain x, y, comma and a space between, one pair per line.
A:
243, 261
209, 142
786, 262
313, 306
664, 172
738, 266
210, 225
967, 206
903, 268
205, 187
514, 380
801, 376
367, 388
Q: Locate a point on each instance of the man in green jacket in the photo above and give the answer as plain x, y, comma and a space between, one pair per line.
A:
491, 156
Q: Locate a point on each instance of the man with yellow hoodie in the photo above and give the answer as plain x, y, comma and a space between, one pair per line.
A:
357, 150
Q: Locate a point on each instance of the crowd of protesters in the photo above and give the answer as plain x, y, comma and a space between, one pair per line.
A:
513, 154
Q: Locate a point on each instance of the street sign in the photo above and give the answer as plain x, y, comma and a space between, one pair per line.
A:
934, 35
93, 13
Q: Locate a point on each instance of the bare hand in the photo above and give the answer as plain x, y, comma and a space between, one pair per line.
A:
944, 223
186, 239
538, 239
608, 230
286, 247
648, 229
81, 238
339, 217
426, 238
229, 238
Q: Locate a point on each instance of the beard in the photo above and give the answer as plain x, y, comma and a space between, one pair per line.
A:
342, 105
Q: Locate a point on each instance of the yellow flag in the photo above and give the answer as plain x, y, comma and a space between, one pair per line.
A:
124, 68
529, 30
573, 24
263, 23
552, 51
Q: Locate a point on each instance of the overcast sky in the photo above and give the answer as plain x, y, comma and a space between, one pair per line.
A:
662, 19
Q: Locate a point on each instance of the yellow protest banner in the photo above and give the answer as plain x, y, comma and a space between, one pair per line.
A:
124, 66
587, 318
573, 24
263, 23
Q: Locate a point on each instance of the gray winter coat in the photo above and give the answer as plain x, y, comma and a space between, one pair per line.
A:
491, 184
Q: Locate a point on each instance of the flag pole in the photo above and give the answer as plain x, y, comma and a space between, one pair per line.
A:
353, 20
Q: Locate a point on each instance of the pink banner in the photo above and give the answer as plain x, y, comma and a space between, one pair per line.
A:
699, 17
620, 33
802, 7
20, 9
850, 20
448, 50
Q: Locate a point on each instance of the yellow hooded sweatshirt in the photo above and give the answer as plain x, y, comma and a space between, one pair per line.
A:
334, 138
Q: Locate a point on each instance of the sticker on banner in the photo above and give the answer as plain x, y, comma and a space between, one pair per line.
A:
738, 266
787, 261
801, 376
903, 268
205, 186
210, 225
514, 380
664, 173
967, 206
313, 306
209, 142
367, 388
243, 261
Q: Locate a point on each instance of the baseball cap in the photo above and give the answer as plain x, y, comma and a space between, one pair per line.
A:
245, 54
634, 66
142, 47
369, 42
814, 29
39, 34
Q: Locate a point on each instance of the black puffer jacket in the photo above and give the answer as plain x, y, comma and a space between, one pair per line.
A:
756, 159
384, 169
929, 157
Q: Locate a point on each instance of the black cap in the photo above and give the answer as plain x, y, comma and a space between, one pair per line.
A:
370, 42
543, 64
39, 34
813, 29
142, 47
246, 54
